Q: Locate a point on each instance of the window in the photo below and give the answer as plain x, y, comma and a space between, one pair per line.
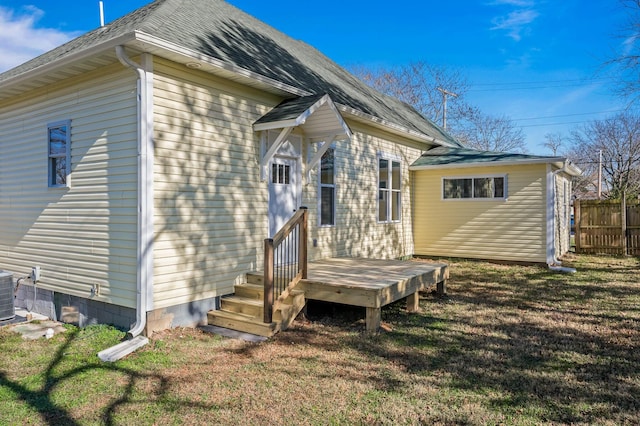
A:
389, 190
327, 189
59, 152
474, 187
281, 173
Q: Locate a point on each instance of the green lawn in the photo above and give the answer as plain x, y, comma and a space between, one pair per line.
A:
509, 345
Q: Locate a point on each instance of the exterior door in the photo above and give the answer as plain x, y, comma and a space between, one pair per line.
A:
284, 190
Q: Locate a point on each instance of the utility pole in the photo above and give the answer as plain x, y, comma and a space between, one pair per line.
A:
445, 93
600, 175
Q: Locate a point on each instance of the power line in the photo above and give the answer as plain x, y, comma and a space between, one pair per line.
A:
567, 115
553, 124
562, 123
505, 89
535, 85
543, 81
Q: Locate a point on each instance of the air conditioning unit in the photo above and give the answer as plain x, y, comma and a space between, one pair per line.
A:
7, 308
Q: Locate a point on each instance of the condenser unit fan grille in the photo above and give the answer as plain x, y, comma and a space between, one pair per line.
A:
7, 310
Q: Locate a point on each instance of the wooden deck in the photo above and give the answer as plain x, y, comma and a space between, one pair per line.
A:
372, 283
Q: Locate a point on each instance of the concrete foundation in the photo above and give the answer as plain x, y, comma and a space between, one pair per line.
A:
82, 312
189, 314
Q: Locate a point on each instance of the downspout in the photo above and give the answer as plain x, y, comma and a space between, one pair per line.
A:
144, 251
552, 260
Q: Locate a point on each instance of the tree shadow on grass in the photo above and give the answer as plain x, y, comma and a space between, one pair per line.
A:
56, 375
530, 340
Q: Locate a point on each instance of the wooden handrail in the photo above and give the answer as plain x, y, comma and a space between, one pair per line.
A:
297, 223
288, 227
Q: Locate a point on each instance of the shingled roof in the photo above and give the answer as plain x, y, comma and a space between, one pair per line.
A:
446, 157
218, 30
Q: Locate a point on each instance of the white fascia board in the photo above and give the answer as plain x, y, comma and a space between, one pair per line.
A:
569, 168
343, 124
394, 128
74, 57
573, 170
555, 161
313, 108
190, 54
275, 125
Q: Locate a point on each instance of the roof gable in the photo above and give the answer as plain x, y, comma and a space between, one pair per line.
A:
316, 114
218, 30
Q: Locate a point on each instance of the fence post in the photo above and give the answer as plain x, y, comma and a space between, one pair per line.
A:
268, 280
576, 224
623, 220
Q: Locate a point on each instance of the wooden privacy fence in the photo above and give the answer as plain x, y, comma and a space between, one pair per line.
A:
607, 227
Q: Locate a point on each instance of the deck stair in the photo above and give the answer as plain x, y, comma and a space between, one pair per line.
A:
244, 310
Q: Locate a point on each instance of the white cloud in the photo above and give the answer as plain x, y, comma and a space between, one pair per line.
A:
629, 44
518, 3
21, 39
515, 23
577, 96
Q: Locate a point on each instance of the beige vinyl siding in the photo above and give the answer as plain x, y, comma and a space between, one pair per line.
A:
210, 215
84, 235
357, 232
511, 229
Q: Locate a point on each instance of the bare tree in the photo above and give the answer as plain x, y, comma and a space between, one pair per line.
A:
417, 84
554, 142
626, 59
584, 186
619, 139
489, 133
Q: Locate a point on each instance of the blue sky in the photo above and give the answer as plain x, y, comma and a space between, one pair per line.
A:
535, 61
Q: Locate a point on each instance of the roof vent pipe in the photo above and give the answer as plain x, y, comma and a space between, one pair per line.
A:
101, 14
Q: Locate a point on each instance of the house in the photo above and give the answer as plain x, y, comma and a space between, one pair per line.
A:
145, 162
492, 205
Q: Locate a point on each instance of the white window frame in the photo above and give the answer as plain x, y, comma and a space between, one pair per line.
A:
326, 185
390, 158
67, 155
505, 189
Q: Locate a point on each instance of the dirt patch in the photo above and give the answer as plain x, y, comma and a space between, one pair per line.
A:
37, 329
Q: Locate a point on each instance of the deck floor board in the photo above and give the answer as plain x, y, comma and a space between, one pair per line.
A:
371, 283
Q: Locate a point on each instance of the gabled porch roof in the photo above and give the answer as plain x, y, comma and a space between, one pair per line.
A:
316, 115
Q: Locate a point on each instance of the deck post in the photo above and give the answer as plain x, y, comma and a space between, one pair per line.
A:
304, 231
441, 288
268, 280
413, 302
373, 319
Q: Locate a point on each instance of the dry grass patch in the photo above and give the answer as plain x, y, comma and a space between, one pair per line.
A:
509, 345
